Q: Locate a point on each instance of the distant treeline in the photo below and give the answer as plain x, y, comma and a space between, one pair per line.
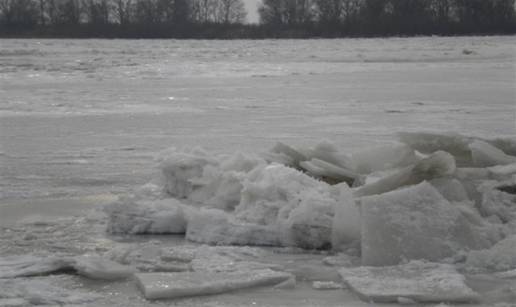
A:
278, 18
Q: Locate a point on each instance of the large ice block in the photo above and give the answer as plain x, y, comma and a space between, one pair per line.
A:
413, 223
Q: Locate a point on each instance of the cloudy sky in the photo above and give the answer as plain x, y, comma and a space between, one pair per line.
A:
252, 14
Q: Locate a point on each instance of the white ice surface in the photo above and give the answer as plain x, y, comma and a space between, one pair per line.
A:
419, 281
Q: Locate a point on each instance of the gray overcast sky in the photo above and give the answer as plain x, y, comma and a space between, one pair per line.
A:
252, 10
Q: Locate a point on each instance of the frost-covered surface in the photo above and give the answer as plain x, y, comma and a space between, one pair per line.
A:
416, 280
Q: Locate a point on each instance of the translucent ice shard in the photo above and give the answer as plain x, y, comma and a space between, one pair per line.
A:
484, 154
438, 164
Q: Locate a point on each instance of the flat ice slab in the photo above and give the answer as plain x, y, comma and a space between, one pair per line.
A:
419, 281
175, 285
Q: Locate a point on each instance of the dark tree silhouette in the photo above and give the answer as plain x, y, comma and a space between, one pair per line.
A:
279, 18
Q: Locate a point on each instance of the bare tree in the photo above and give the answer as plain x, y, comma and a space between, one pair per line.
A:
287, 12
18, 13
122, 11
97, 11
230, 11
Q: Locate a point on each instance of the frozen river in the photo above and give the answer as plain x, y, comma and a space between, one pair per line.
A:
81, 117
82, 120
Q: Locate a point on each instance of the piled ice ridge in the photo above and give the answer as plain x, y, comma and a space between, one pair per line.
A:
433, 197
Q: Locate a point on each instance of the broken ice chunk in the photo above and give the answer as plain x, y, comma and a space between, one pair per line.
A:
129, 216
384, 158
175, 285
451, 189
329, 153
310, 224
500, 257
495, 202
438, 164
41, 291
294, 155
328, 172
92, 267
427, 143
179, 168
346, 220
214, 226
456, 144
419, 281
28, 265
413, 223
484, 154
